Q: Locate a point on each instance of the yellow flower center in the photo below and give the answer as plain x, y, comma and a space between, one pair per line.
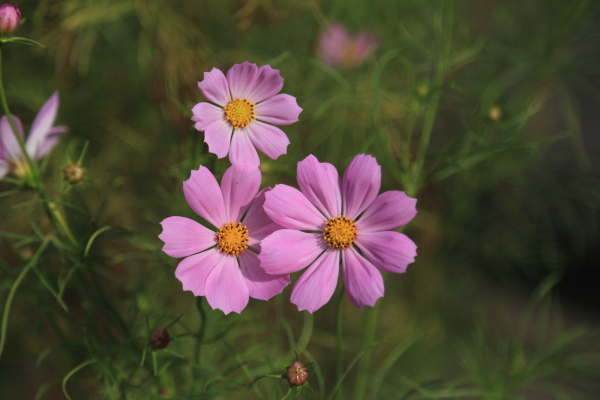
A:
232, 238
240, 112
340, 232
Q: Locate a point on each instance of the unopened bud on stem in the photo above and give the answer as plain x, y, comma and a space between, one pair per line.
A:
160, 338
10, 18
297, 374
74, 173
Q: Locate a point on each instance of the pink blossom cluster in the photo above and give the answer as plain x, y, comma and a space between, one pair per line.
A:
260, 237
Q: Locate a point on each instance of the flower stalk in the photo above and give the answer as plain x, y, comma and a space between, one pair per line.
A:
53, 213
339, 355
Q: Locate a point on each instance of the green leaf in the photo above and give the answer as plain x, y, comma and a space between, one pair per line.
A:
71, 373
93, 237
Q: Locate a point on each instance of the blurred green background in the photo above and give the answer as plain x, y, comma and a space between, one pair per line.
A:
502, 301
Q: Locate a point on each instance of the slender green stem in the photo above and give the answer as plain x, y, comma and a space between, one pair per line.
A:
13, 290
441, 68
54, 215
365, 361
339, 355
307, 330
200, 337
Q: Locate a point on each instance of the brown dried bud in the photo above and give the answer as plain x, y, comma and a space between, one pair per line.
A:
160, 338
74, 173
297, 374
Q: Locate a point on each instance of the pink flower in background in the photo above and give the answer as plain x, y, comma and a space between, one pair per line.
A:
41, 139
246, 104
328, 222
337, 48
10, 18
223, 265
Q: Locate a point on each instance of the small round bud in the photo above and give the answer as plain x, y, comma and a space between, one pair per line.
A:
10, 18
494, 114
160, 338
297, 374
74, 173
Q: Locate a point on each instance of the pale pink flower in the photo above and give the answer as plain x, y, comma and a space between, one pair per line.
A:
328, 223
10, 18
223, 265
41, 139
246, 103
339, 49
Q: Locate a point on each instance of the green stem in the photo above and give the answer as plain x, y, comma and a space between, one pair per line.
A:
200, 337
13, 290
441, 68
367, 345
339, 355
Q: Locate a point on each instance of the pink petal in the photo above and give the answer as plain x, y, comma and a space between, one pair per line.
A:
225, 287
10, 146
388, 251
333, 42
389, 211
361, 183
51, 140
184, 237
193, 271
287, 251
259, 224
242, 149
204, 196
241, 79
269, 139
205, 114
267, 84
40, 128
217, 135
239, 185
215, 88
363, 282
279, 110
289, 208
320, 183
316, 285
261, 285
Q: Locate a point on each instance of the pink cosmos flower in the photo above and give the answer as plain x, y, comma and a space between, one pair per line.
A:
337, 48
10, 18
220, 265
41, 139
328, 222
247, 103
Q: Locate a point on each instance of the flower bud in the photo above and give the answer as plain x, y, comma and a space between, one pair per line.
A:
10, 18
297, 374
160, 338
74, 173
494, 114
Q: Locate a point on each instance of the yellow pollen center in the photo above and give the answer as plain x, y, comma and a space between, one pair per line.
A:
240, 112
232, 238
340, 232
